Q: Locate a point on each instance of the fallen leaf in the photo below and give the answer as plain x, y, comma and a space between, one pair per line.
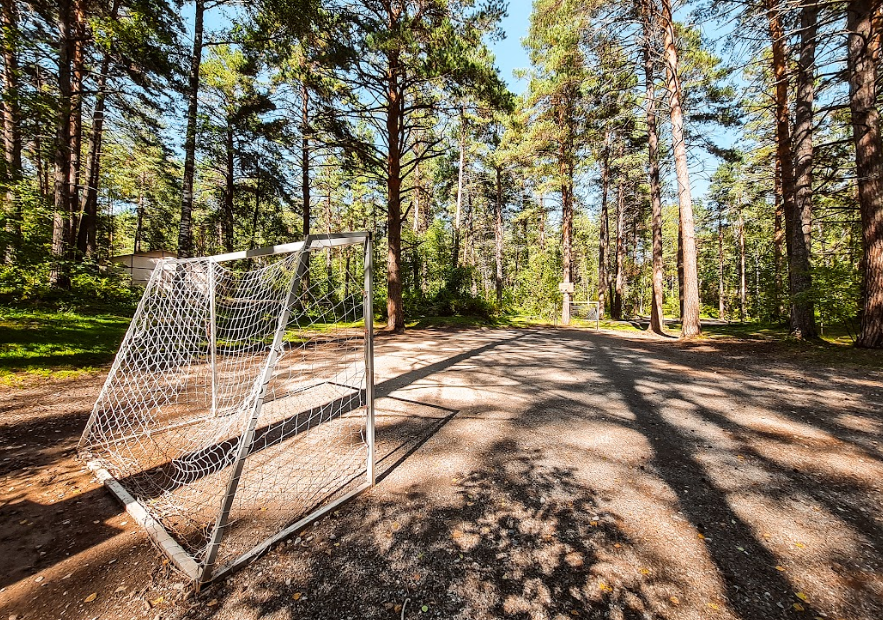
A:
674, 600
780, 568
801, 596
713, 606
397, 608
645, 571
593, 523
157, 601
617, 545
424, 609
604, 587
296, 596
797, 607
799, 545
212, 603
91, 597
701, 537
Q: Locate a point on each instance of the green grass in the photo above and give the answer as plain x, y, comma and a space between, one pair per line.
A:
38, 343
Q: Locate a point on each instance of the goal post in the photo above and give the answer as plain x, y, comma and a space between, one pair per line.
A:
240, 406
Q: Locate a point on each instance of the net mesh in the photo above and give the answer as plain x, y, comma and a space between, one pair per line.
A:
195, 367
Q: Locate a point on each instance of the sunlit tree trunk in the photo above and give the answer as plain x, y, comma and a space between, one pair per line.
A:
229, 186
778, 239
743, 288
784, 156
864, 22
803, 324
11, 127
657, 321
690, 315
394, 104
604, 228
619, 277
58, 277
455, 253
498, 239
86, 235
185, 230
721, 309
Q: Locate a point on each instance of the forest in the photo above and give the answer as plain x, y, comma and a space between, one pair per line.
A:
209, 126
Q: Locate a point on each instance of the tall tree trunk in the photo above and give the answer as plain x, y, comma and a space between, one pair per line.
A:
185, 229
619, 277
567, 246
11, 126
498, 239
394, 306
455, 252
305, 158
680, 265
690, 316
743, 287
58, 276
76, 132
784, 156
778, 239
139, 227
604, 228
657, 320
803, 323
254, 216
542, 224
87, 232
864, 23
721, 309
228, 187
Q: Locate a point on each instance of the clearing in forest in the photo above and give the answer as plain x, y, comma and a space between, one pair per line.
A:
524, 473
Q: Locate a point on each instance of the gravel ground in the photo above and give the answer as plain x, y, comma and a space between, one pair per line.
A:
535, 474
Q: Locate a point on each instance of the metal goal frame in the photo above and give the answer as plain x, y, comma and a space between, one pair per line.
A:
204, 572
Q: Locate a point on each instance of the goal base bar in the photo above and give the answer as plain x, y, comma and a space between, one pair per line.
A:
154, 528
179, 556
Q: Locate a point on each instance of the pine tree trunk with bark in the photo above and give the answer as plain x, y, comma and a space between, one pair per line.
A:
185, 228
657, 320
618, 279
690, 316
803, 323
498, 239
11, 127
604, 229
394, 103
58, 277
864, 23
784, 156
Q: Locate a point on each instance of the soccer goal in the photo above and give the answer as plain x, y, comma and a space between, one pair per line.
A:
586, 310
240, 406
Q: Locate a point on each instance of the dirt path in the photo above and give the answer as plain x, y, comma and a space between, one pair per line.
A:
583, 475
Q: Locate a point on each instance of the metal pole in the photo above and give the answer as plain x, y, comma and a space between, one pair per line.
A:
213, 335
247, 436
368, 312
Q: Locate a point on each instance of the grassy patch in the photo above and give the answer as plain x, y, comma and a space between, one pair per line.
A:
36, 343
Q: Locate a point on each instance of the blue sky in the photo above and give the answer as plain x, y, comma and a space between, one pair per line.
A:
509, 52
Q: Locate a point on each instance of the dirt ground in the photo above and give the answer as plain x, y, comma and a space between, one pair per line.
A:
567, 474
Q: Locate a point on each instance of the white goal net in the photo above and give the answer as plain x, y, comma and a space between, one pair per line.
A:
240, 405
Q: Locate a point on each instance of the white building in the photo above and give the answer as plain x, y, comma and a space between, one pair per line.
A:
141, 264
